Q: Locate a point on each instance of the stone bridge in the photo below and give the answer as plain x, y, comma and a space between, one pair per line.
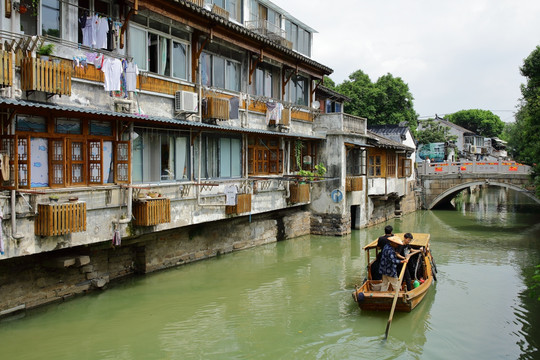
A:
441, 182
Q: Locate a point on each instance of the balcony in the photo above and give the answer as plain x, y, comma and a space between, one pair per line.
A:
47, 76
6, 68
269, 30
353, 183
59, 219
342, 122
216, 108
151, 211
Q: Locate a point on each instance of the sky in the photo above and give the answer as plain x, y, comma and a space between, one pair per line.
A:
454, 55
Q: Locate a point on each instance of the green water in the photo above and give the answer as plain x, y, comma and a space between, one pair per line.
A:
292, 300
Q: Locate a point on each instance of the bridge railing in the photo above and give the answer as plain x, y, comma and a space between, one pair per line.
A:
472, 167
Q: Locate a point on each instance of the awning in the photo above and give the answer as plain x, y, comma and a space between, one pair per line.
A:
17, 103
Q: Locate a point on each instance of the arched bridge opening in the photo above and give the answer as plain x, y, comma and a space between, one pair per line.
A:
443, 199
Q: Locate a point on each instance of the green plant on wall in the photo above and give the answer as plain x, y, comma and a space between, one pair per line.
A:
320, 169
45, 49
298, 153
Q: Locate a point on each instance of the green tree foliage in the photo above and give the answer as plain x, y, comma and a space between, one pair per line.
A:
329, 83
433, 132
523, 135
387, 101
481, 122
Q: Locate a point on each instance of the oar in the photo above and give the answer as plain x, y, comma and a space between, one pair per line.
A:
395, 300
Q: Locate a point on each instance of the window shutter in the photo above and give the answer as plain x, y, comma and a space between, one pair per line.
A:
122, 163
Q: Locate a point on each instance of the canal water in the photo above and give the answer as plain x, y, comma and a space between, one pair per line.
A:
292, 300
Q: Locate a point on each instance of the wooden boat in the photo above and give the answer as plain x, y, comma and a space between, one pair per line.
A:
369, 297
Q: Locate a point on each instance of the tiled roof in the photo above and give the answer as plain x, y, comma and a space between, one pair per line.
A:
381, 141
13, 103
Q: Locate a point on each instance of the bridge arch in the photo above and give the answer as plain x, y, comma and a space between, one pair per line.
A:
458, 188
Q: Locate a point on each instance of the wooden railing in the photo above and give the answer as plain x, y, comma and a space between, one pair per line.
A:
6, 68
299, 193
47, 76
58, 219
197, 2
220, 11
353, 183
216, 108
152, 212
243, 205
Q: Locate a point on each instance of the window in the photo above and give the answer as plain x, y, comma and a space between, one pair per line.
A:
356, 161
160, 155
220, 72
300, 38
391, 165
156, 50
332, 107
221, 157
303, 155
374, 166
90, 7
264, 82
405, 166
68, 152
232, 6
297, 90
50, 17
264, 156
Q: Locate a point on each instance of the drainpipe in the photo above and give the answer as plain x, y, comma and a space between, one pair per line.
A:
130, 189
14, 233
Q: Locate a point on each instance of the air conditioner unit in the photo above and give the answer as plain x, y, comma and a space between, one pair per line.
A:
186, 101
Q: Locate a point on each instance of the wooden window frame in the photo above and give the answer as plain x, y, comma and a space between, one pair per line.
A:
405, 167
376, 163
391, 164
18, 147
263, 158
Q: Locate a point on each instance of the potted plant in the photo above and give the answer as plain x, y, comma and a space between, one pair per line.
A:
53, 198
45, 51
320, 170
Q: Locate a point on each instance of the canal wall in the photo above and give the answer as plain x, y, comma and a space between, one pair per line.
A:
30, 281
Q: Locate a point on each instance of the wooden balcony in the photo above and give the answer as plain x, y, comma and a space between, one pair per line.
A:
59, 219
353, 183
197, 2
299, 193
47, 76
6, 68
151, 212
220, 11
243, 205
216, 108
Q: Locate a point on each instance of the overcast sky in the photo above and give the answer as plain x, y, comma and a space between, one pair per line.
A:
454, 55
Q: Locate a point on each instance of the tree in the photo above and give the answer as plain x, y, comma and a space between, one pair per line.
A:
481, 122
523, 135
387, 101
433, 132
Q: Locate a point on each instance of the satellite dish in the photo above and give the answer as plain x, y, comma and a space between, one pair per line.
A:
316, 104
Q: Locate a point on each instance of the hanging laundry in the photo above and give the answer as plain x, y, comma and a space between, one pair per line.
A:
122, 92
4, 166
233, 107
117, 239
102, 29
273, 112
95, 24
87, 31
112, 69
132, 70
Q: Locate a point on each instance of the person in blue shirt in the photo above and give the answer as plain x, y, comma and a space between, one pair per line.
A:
389, 263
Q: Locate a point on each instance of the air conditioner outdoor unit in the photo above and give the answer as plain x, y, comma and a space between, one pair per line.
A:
186, 101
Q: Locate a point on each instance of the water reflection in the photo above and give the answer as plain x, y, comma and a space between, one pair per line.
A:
292, 300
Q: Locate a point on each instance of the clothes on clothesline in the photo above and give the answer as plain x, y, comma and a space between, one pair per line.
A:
112, 70
99, 32
273, 112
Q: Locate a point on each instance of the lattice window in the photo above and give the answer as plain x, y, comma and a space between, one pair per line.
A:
122, 162
58, 162
95, 161
391, 165
77, 162
23, 161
